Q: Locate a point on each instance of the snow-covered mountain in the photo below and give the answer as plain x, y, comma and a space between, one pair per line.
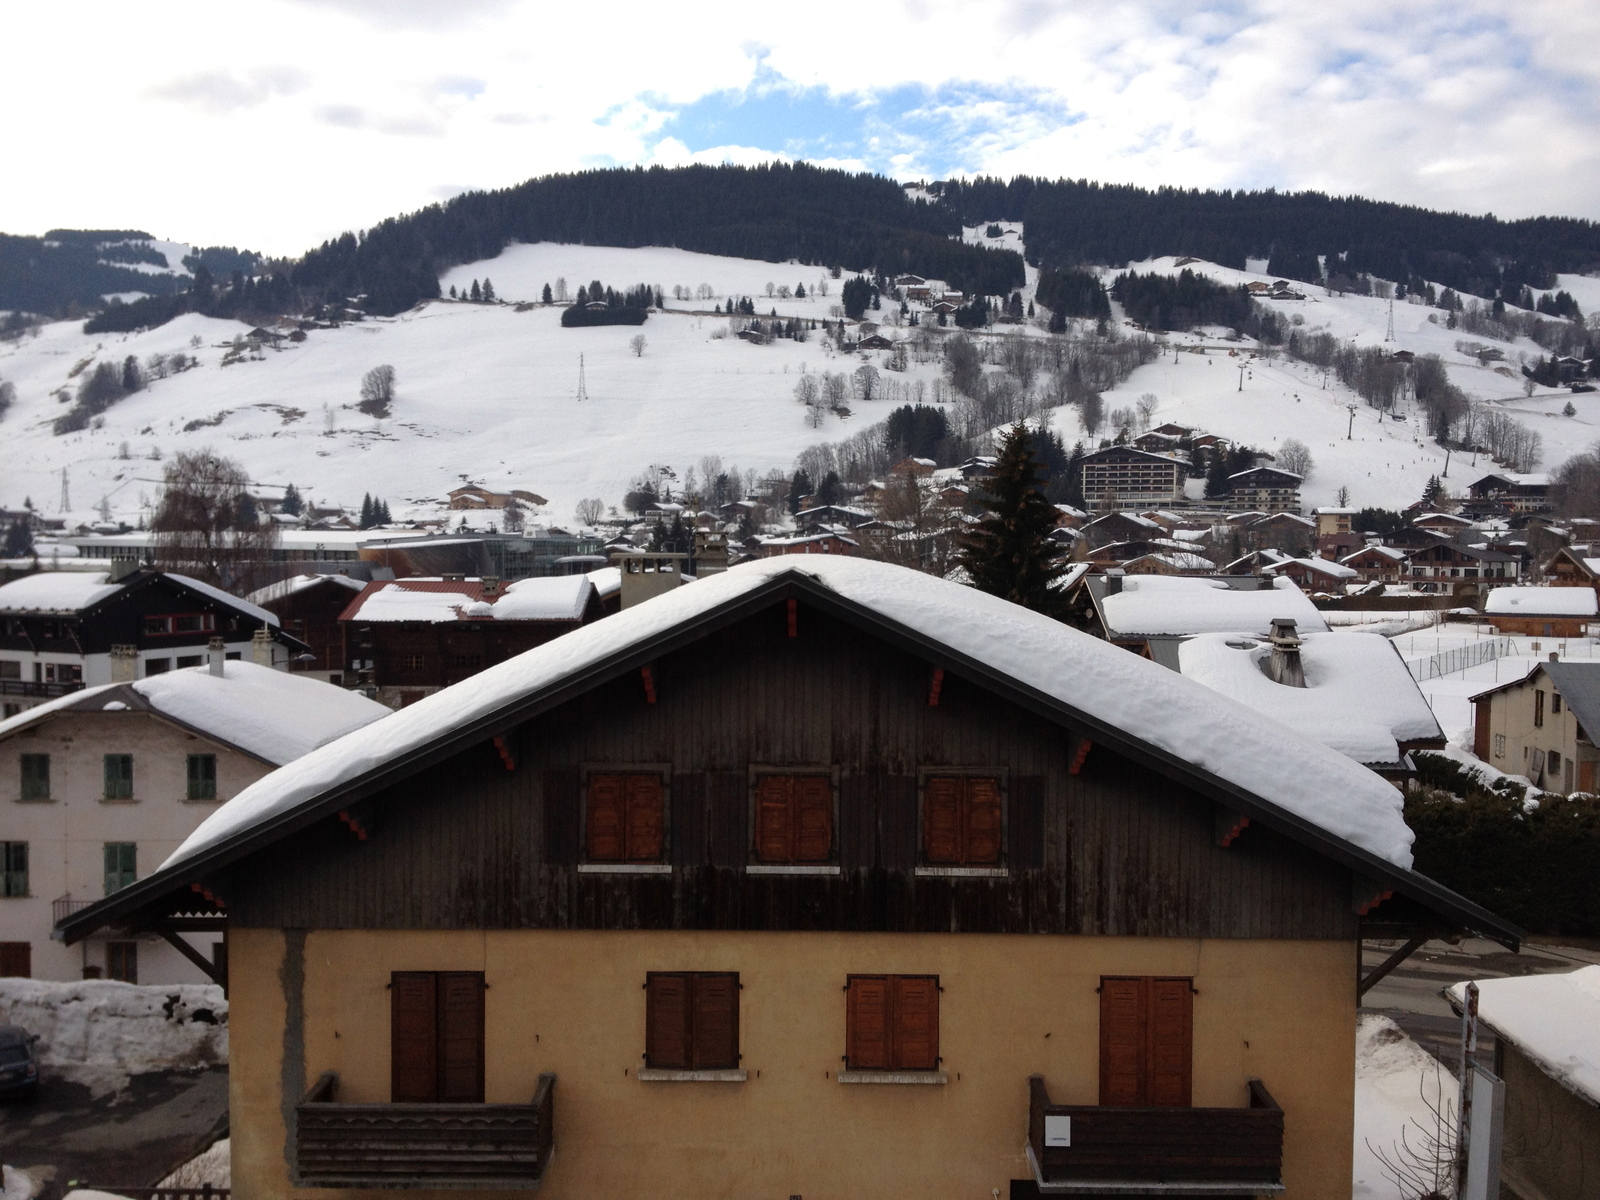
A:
488, 392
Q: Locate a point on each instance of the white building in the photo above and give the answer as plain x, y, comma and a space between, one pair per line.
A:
99, 786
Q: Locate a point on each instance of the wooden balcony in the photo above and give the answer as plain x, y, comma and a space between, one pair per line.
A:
422, 1145
1075, 1148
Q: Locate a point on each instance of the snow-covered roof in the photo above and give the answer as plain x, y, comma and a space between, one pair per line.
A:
1391, 552
1359, 698
1145, 702
1131, 518
1179, 561
1540, 602
274, 715
549, 598
1553, 1019
285, 588
1324, 566
1153, 605
56, 592
607, 581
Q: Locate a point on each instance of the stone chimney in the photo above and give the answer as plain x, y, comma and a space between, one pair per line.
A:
1284, 666
216, 655
261, 647
491, 586
1555, 656
124, 664
1114, 579
121, 567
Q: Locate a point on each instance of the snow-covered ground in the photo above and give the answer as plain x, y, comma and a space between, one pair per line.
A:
1396, 1083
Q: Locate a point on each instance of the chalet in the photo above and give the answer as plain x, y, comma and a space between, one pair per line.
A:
1283, 530
914, 467
1114, 554
1255, 562
831, 514
875, 341
1317, 574
1455, 561
64, 630
1546, 1050
1350, 691
1336, 536
1121, 527
1445, 524
1381, 564
903, 281
1266, 488
1560, 612
980, 466
1257, 288
1132, 478
473, 496
1173, 430
1169, 562
1157, 442
408, 638
813, 854
1543, 726
830, 542
1569, 567
1511, 492
106, 782
308, 607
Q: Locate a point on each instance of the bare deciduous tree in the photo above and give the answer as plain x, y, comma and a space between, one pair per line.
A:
1294, 455
590, 511
377, 391
197, 524
637, 344
1147, 409
866, 381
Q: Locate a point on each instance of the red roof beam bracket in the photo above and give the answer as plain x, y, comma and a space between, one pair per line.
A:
354, 825
1079, 755
648, 678
794, 618
935, 686
203, 890
1229, 825
503, 749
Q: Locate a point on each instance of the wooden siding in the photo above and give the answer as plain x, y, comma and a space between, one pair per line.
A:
1114, 849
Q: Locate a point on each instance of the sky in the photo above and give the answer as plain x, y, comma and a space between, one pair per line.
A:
277, 124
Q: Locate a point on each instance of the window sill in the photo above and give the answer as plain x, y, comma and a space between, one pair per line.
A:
962, 872
624, 868
914, 1077
119, 799
36, 800
192, 800
790, 869
653, 1075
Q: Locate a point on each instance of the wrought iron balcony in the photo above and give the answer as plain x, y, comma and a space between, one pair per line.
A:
1075, 1148
43, 691
422, 1145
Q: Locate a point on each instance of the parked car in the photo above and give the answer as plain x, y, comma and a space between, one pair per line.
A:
19, 1067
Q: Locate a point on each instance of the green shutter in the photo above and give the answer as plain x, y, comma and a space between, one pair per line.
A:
15, 882
36, 777
121, 865
119, 776
202, 776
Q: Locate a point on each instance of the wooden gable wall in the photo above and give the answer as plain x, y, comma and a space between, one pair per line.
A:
1113, 849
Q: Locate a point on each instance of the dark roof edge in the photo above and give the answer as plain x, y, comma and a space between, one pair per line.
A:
1426, 891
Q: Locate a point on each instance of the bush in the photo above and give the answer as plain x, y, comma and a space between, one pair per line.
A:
1535, 867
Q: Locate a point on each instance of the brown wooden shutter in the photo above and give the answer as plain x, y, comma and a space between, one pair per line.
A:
16, 960
775, 818
982, 823
866, 1026
916, 1022
606, 819
645, 816
413, 1037
1122, 1041
666, 1033
716, 1022
1170, 1055
941, 819
813, 839
460, 1037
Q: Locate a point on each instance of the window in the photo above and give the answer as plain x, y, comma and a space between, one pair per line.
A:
1499, 745
35, 776
468, 662
1146, 1034
119, 776
415, 662
1552, 761
794, 818
160, 626
436, 1037
191, 660
691, 1020
961, 820
16, 960
14, 862
891, 1023
202, 777
1538, 709
1555, 702
625, 818
122, 865
157, 666
122, 961
10, 668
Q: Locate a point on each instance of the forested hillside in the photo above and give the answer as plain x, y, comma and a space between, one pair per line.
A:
1070, 222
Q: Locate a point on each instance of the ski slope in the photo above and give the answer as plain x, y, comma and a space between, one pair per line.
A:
488, 393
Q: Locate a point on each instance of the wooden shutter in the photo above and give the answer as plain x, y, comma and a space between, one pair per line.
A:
866, 1026
1170, 1054
775, 818
715, 1031
460, 1015
941, 819
982, 823
606, 819
813, 802
16, 960
666, 1032
645, 817
916, 1022
1122, 1041
413, 1037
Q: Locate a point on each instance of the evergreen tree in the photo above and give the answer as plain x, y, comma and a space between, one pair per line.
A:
452, 291
547, 296
488, 291
366, 511
1217, 476
830, 490
1011, 554
477, 293
799, 291
1431, 493
292, 504
247, 516
19, 539
799, 486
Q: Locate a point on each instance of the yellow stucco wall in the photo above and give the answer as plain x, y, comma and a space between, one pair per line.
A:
573, 1003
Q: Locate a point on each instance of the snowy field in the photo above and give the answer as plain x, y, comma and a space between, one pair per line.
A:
488, 393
